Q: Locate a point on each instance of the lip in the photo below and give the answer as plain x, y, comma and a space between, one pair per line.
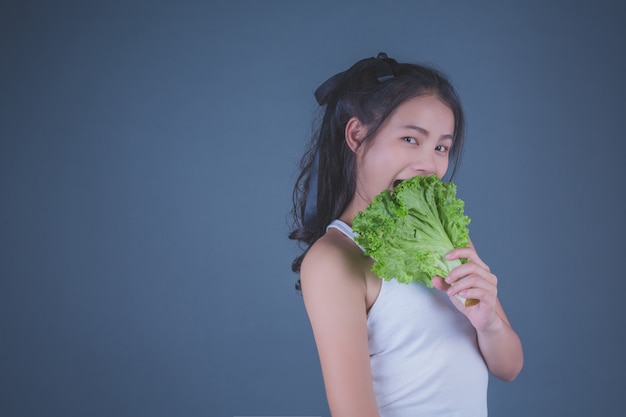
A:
396, 183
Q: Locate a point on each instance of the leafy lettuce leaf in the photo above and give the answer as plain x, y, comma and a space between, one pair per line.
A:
409, 230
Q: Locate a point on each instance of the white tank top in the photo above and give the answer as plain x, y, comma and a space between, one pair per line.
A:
424, 354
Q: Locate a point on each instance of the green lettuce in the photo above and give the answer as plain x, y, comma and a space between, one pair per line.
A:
408, 231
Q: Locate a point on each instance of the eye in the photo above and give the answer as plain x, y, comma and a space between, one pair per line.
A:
442, 148
409, 139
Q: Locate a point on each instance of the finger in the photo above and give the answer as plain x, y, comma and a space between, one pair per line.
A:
468, 253
440, 284
473, 282
468, 269
474, 288
488, 283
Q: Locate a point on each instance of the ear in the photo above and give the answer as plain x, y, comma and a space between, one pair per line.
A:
355, 132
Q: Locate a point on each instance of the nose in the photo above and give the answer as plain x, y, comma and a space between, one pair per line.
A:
424, 164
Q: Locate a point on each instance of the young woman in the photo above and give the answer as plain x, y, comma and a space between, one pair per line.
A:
390, 349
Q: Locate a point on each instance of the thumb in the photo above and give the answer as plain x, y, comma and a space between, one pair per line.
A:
440, 284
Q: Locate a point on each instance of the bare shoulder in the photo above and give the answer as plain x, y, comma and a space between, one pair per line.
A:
334, 262
334, 288
333, 280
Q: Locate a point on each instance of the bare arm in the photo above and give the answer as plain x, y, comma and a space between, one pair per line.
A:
501, 347
334, 295
499, 343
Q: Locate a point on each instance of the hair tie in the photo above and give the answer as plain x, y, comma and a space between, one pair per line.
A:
384, 68
324, 91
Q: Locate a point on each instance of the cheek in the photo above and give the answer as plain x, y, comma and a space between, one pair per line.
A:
373, 172
442, 167
380, 165
370, 160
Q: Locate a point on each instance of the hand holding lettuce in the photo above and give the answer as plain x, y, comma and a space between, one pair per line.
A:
408, 231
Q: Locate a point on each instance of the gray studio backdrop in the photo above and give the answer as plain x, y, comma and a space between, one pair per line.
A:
147, 155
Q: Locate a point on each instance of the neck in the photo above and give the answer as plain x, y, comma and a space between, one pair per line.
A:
355, 206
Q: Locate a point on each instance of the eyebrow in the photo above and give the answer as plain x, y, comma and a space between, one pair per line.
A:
426, 132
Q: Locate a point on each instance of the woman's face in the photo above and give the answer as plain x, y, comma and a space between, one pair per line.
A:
414, 140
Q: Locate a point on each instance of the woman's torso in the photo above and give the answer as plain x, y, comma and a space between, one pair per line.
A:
423, 352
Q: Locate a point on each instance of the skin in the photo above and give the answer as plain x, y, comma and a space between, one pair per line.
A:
339, 288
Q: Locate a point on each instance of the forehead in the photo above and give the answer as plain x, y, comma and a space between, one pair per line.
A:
428, 109
428, 112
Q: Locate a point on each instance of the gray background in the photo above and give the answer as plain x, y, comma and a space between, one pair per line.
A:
147, 155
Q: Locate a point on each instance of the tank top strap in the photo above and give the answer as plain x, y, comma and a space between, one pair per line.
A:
345, 229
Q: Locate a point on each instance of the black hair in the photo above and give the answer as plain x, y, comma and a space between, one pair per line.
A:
370, 90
